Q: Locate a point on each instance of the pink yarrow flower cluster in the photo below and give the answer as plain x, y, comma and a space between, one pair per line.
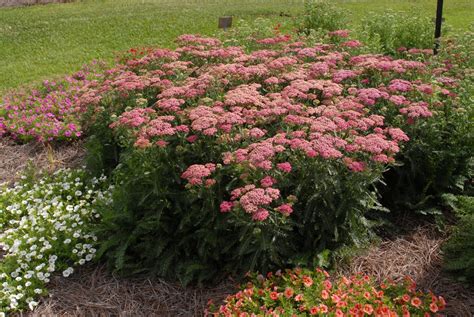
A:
261, 114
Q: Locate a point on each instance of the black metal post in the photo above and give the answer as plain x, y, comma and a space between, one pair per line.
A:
439, 20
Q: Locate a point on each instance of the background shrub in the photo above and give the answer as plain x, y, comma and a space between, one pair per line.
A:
322, 15
395, 30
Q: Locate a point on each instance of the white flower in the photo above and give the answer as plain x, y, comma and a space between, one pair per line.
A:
32, 305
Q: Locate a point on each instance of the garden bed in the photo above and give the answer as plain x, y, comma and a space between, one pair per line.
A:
93, 291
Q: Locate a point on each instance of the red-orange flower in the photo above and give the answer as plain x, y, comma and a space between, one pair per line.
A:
323, 308
307, 281
433, 307
289, 292
299, 297
274, 295
415, 301
335, 298
324, 294
368, 309
314, 310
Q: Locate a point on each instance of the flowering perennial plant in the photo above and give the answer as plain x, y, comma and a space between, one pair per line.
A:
302, 292
268, 109
275, 145
45, 227
281, 145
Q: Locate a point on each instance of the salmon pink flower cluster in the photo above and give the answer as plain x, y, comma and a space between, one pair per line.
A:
261, 113
301, 292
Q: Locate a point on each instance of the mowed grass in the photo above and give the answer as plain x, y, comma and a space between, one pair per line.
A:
39, 42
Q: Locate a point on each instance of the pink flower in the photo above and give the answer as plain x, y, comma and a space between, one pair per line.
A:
285, 209
226, 206
142, 143
284, 167
192, 138
195, 173
267, 181
261, 215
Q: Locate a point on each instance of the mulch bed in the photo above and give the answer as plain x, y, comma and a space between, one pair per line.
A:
417, 255
15, 158
93, 291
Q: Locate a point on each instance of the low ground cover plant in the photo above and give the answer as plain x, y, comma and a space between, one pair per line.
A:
302, 292
45, 229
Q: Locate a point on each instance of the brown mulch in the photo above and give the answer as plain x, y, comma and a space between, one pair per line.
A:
95, 292
417, 255
15, 158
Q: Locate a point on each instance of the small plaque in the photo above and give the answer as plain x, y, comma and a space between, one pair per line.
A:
225, 22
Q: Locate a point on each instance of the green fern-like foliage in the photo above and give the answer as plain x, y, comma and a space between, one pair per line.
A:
459, 250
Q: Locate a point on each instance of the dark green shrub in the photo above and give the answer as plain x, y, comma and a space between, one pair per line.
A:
438, 159
459, 249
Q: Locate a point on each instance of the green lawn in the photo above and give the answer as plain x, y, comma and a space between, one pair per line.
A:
42, 41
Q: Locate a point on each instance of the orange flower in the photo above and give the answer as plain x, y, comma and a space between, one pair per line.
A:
307, 281
368, 309
406, 298
289, 292
324, 294
299, 297
433, 307
274, 295
314, 310
367, 295
335, 298
339, 313
415, 301
341, 304
323, 308
327, 284
346, 281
